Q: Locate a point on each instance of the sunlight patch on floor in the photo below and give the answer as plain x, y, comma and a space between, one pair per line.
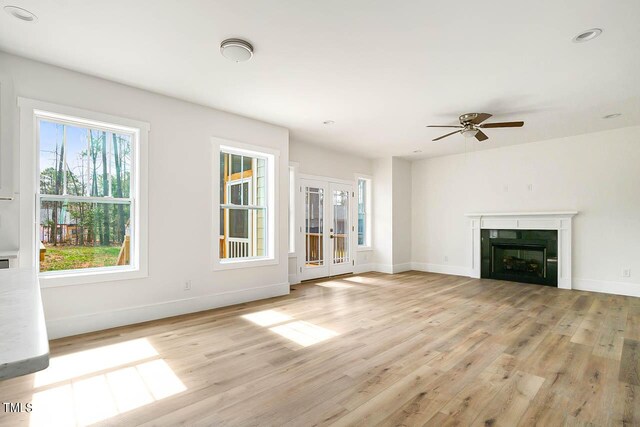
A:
74, 365
334, 284
360, 279
304, 333
82, 400
300, 332
267, 317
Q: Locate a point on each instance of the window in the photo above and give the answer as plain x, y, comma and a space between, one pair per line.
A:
364, 209
292, 209
246, 200
87, 182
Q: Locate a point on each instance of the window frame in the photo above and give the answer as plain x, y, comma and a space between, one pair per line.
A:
31, 112
293, 178
271, 156
368, 245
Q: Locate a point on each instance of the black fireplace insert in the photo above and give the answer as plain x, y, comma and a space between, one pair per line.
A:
527, 256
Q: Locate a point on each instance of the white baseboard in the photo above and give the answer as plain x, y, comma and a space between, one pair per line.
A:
454, 270
607, 287
74, 325
616, 288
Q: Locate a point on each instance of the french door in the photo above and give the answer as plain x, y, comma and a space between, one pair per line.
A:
327, 228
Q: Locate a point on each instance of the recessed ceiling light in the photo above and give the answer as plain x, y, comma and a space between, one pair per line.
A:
20, 13
236, 50
612, 116
585, 36
328, 122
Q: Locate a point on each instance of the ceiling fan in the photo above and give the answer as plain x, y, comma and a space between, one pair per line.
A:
471, 123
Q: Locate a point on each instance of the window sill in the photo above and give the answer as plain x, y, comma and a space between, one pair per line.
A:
243, 263
364, 249
69, 278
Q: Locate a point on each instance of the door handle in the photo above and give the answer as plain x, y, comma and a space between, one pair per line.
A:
331, 236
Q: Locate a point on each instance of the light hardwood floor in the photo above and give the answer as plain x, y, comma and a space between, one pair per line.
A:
406, 349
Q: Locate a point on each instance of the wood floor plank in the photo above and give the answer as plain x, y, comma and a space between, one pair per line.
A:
630, 362
511, 402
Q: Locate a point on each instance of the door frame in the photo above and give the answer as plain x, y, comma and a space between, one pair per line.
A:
300, 221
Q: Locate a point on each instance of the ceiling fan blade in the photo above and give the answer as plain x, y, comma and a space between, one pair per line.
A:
480, 118
503, 125
449, 134
443, 126
481, 136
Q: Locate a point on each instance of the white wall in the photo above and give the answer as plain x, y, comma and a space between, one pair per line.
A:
312, 159
596, 174
383, 214
392, 215
180, 202
401, 197
316, 160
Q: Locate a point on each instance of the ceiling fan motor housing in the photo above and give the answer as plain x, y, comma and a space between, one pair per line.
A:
466, 118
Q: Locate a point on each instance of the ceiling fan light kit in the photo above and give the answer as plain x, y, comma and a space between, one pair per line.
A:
470, 124
469, 132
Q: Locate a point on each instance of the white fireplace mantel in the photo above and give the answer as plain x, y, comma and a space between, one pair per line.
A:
559, 221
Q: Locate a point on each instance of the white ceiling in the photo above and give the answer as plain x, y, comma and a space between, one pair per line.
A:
382, 70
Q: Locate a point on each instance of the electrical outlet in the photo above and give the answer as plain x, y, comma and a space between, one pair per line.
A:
530, 187
626, 272
446, 258
505, 188
187, 285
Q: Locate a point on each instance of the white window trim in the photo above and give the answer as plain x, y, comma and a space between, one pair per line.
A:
30, 110
368, 216
273, 162
293, 224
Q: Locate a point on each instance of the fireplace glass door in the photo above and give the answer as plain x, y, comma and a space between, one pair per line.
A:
521, 260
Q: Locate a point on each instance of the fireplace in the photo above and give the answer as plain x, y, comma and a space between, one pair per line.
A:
529, 256
491, 224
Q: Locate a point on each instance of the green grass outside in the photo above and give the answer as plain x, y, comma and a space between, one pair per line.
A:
75, 257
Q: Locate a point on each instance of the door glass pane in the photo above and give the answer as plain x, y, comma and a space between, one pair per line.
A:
314, 226
340, 227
